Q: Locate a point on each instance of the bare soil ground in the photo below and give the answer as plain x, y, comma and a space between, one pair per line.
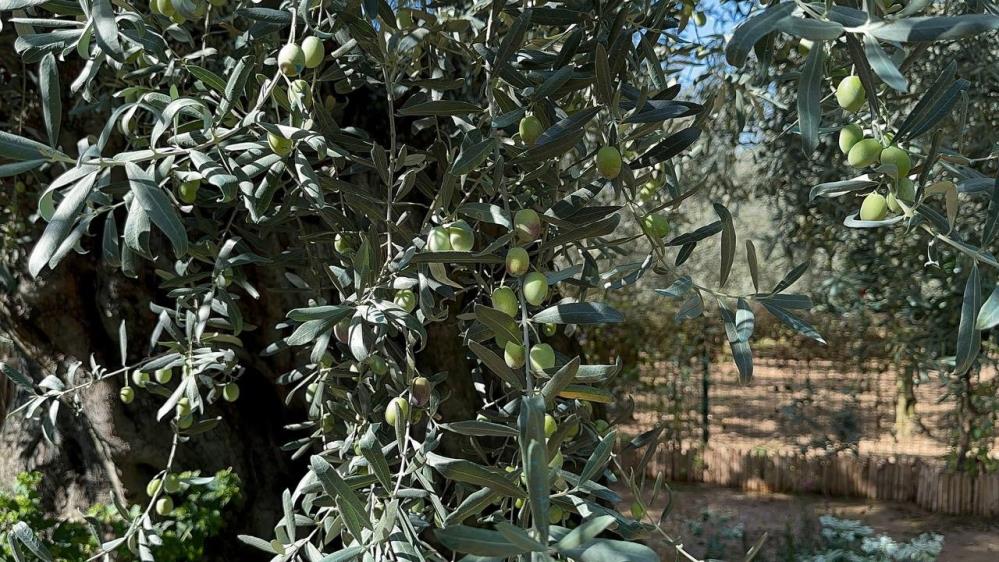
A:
793, 405
813, 406
722, 524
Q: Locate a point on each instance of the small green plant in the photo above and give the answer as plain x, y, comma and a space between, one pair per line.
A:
196, 518
847, 540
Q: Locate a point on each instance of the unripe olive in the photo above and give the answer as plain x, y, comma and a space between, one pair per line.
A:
280, 145
542, 357
303, 90
438, 240
406, 299
165, 7
343, 243
327, 422
609, 162
519, 503
656, 225
637, 511
874, 207
513, 354
313, 51
648, 191
153, 487
164, 376
527, 225
140, 378
895, 156
505, 300
420, 392
398, 409
126, 394
183, 406
461, 237
530, 129
518, 262
230, 392
378, 365
849, 136
188, 191
905, 190
864, 153
850, 94
535, 288
164, 506
171, 484
550, 425
550, 329
555, 514
291, 60
700, 19
893, 205
277, 546
601, 426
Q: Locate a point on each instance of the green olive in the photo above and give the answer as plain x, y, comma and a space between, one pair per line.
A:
550, 425
865, 153
535, 288
895, 156
378, 365
398, 410
656, 225
230, 392
291, 60
188, 191
461, 237
406, 299
127, 394
153, 487
874, 207
518, 262
505, 300
279, 144
164, 375
530, 129
849, 136
513, 354
171, 484
542, 357
609, 162
850, 94
164, 506
420, 391
438, 240
140, 378
527, 225
313, 51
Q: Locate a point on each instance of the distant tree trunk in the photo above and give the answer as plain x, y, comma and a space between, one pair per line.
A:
905, 403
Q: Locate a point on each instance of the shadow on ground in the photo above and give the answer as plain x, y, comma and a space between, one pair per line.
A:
722, 524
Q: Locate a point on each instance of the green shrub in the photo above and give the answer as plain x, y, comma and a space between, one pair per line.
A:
197, 518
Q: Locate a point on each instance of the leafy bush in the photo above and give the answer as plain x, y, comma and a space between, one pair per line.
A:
197, 518
847, 540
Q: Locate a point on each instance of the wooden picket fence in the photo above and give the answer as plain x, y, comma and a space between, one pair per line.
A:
925, 482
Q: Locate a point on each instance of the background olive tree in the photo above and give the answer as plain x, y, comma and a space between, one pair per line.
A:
355, 270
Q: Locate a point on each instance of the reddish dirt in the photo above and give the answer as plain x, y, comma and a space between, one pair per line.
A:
724, 523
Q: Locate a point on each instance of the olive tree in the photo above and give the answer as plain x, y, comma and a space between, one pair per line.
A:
345, 246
